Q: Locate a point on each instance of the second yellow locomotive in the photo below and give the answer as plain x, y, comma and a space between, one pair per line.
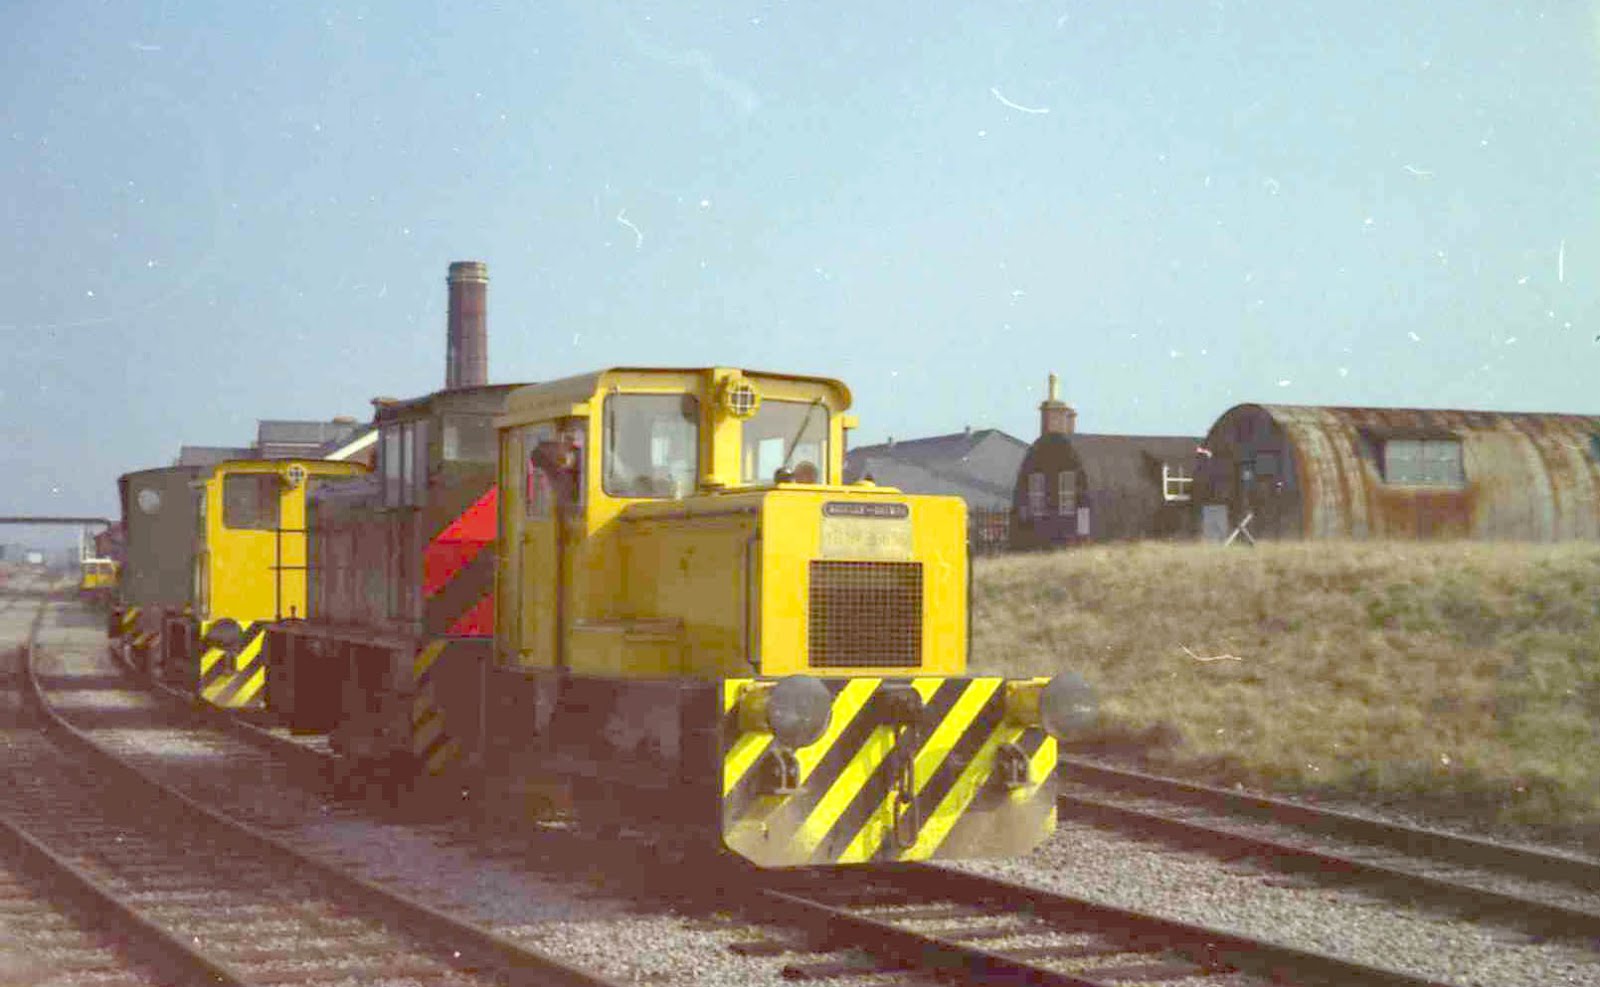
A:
698, 627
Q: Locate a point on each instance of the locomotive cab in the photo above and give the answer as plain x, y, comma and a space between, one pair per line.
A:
249, 568
709, 631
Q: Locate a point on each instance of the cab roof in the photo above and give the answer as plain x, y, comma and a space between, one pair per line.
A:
484, 399
559, 398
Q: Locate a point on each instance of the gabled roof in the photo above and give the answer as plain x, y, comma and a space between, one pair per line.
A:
955, 446
980, 466
913, 478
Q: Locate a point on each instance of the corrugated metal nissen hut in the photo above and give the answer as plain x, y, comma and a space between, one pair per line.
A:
1074, 487
1323, 472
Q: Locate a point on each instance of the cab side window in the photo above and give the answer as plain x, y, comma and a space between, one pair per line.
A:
540, 494
403, 462
537, 491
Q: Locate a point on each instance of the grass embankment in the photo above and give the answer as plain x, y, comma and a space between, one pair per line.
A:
1462, 677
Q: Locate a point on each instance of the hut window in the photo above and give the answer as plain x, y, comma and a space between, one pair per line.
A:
1175, 483
1036, 495
1266, 464
1066, 492
1423, 462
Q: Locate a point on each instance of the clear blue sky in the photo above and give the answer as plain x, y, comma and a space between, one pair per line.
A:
215, 217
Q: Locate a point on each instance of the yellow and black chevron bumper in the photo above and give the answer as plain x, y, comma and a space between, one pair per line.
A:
232, 676
141, 636
953, 777
433, 748
121, 622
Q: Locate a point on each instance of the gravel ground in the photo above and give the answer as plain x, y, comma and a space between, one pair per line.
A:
1084, 861
573, 918
612, 932
42, 945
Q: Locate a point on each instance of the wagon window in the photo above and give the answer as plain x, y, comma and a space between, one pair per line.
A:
390, 461
651, 446
416, 470
468, 439
250, 501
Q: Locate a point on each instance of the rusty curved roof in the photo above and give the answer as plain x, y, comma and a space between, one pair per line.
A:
1402, 420
1528, 475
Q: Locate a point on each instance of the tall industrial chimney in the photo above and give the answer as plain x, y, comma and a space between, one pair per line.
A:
467, 345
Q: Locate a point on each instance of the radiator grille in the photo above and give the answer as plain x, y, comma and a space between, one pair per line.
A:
866, 615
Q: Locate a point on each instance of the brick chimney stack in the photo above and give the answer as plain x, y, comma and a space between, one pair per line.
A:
467, 333
1056, 417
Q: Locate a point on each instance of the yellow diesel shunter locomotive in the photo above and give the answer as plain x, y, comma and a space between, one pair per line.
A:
699, 628
97, 579
216, 554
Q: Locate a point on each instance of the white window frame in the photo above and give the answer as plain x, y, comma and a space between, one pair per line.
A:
1036, 498
1176, 484
1429, 465
1066, 492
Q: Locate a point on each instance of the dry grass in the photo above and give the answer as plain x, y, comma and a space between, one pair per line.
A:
1465, 674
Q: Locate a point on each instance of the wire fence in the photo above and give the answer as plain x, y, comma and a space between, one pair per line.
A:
989, 530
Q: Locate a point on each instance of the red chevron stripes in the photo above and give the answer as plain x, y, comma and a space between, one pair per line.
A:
454, 548
478, 620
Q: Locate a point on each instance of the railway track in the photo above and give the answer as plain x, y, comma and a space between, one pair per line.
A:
51, 928
1546, 893
946, 922
217, 900
47, 938
978, 929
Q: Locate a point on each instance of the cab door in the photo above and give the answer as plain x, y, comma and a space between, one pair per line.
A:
553, 470
536, 580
